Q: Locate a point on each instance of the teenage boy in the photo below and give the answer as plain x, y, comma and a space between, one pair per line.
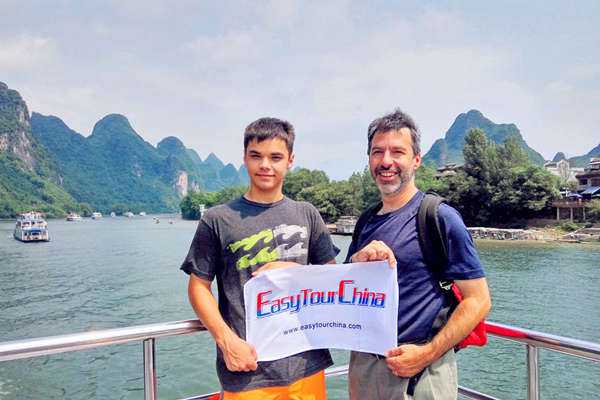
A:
422, 366
234, 240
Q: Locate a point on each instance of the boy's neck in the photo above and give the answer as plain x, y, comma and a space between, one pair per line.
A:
258, 196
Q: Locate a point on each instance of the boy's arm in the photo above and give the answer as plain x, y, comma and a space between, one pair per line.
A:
239, 355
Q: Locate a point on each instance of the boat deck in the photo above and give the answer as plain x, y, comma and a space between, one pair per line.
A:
147, 334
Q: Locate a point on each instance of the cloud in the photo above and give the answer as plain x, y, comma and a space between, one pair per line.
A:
585, 72
27, 53
226, 51
203, 71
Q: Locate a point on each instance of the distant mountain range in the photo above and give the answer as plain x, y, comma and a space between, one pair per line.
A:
582, 161
113, 166
47, 166
449, 149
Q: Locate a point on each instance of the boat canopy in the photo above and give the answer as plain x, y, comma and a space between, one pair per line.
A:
592, 190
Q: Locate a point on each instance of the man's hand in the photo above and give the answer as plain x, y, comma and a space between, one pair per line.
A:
275, 265
239, 355
375, 251
408, 360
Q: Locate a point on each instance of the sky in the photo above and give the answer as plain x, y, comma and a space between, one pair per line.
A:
202, 71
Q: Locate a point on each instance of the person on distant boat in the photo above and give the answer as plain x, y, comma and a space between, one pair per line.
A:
232, 241
423, 365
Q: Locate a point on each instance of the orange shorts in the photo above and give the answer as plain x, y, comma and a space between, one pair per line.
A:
309, 388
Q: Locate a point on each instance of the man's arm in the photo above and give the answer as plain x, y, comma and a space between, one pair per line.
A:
408, 360
239, 355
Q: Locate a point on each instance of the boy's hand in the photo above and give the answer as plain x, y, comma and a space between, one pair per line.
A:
239, 355
375, 251
274, 265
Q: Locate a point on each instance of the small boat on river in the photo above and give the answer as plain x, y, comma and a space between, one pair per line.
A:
74, 217
31, 227
96, 215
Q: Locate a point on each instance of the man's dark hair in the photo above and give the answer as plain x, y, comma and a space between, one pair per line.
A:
270, 128
394, 122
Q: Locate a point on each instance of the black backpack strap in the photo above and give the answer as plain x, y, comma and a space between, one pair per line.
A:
432, 237
363, 219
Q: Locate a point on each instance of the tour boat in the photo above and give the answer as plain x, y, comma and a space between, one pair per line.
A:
74, 217
31, 227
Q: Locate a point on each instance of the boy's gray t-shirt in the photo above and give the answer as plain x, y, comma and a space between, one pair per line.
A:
237, 238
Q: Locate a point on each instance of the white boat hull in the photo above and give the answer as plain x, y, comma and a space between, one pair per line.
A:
31, 235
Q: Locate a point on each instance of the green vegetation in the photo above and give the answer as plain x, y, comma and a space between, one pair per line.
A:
114, 169
23, 190
190, 204
569, 226
499, 186
29, 175
592, 210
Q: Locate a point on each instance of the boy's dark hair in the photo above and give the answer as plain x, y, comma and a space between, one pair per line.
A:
270, 128
394, 122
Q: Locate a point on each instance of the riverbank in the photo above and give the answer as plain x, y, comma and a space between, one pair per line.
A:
546, 234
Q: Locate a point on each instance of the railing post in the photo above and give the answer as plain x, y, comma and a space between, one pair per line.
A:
149, 370
533, 376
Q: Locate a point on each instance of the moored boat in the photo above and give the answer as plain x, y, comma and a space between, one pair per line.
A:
31, 227
96, 215
345, 225
128, 214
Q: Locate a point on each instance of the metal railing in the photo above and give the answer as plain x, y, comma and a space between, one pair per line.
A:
149, 333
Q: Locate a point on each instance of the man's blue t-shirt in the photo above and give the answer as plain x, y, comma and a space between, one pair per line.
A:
420, 297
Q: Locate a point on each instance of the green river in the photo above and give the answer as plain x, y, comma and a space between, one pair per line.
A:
116, 272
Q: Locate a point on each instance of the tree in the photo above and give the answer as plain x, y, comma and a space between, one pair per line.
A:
592, 210
426, 181
190, 204
499, 183
511, 154
332, 200
296, 181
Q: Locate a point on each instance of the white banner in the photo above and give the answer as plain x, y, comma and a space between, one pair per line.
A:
342, 306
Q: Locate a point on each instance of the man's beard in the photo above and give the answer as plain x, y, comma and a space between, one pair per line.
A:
391, 188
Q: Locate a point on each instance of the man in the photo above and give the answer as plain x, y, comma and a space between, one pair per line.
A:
234, 240
423, 365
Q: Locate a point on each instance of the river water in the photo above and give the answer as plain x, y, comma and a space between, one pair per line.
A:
116, 272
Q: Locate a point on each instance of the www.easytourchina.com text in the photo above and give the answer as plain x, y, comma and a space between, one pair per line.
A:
318, 325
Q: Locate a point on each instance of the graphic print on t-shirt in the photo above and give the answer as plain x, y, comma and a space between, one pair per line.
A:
284, 242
